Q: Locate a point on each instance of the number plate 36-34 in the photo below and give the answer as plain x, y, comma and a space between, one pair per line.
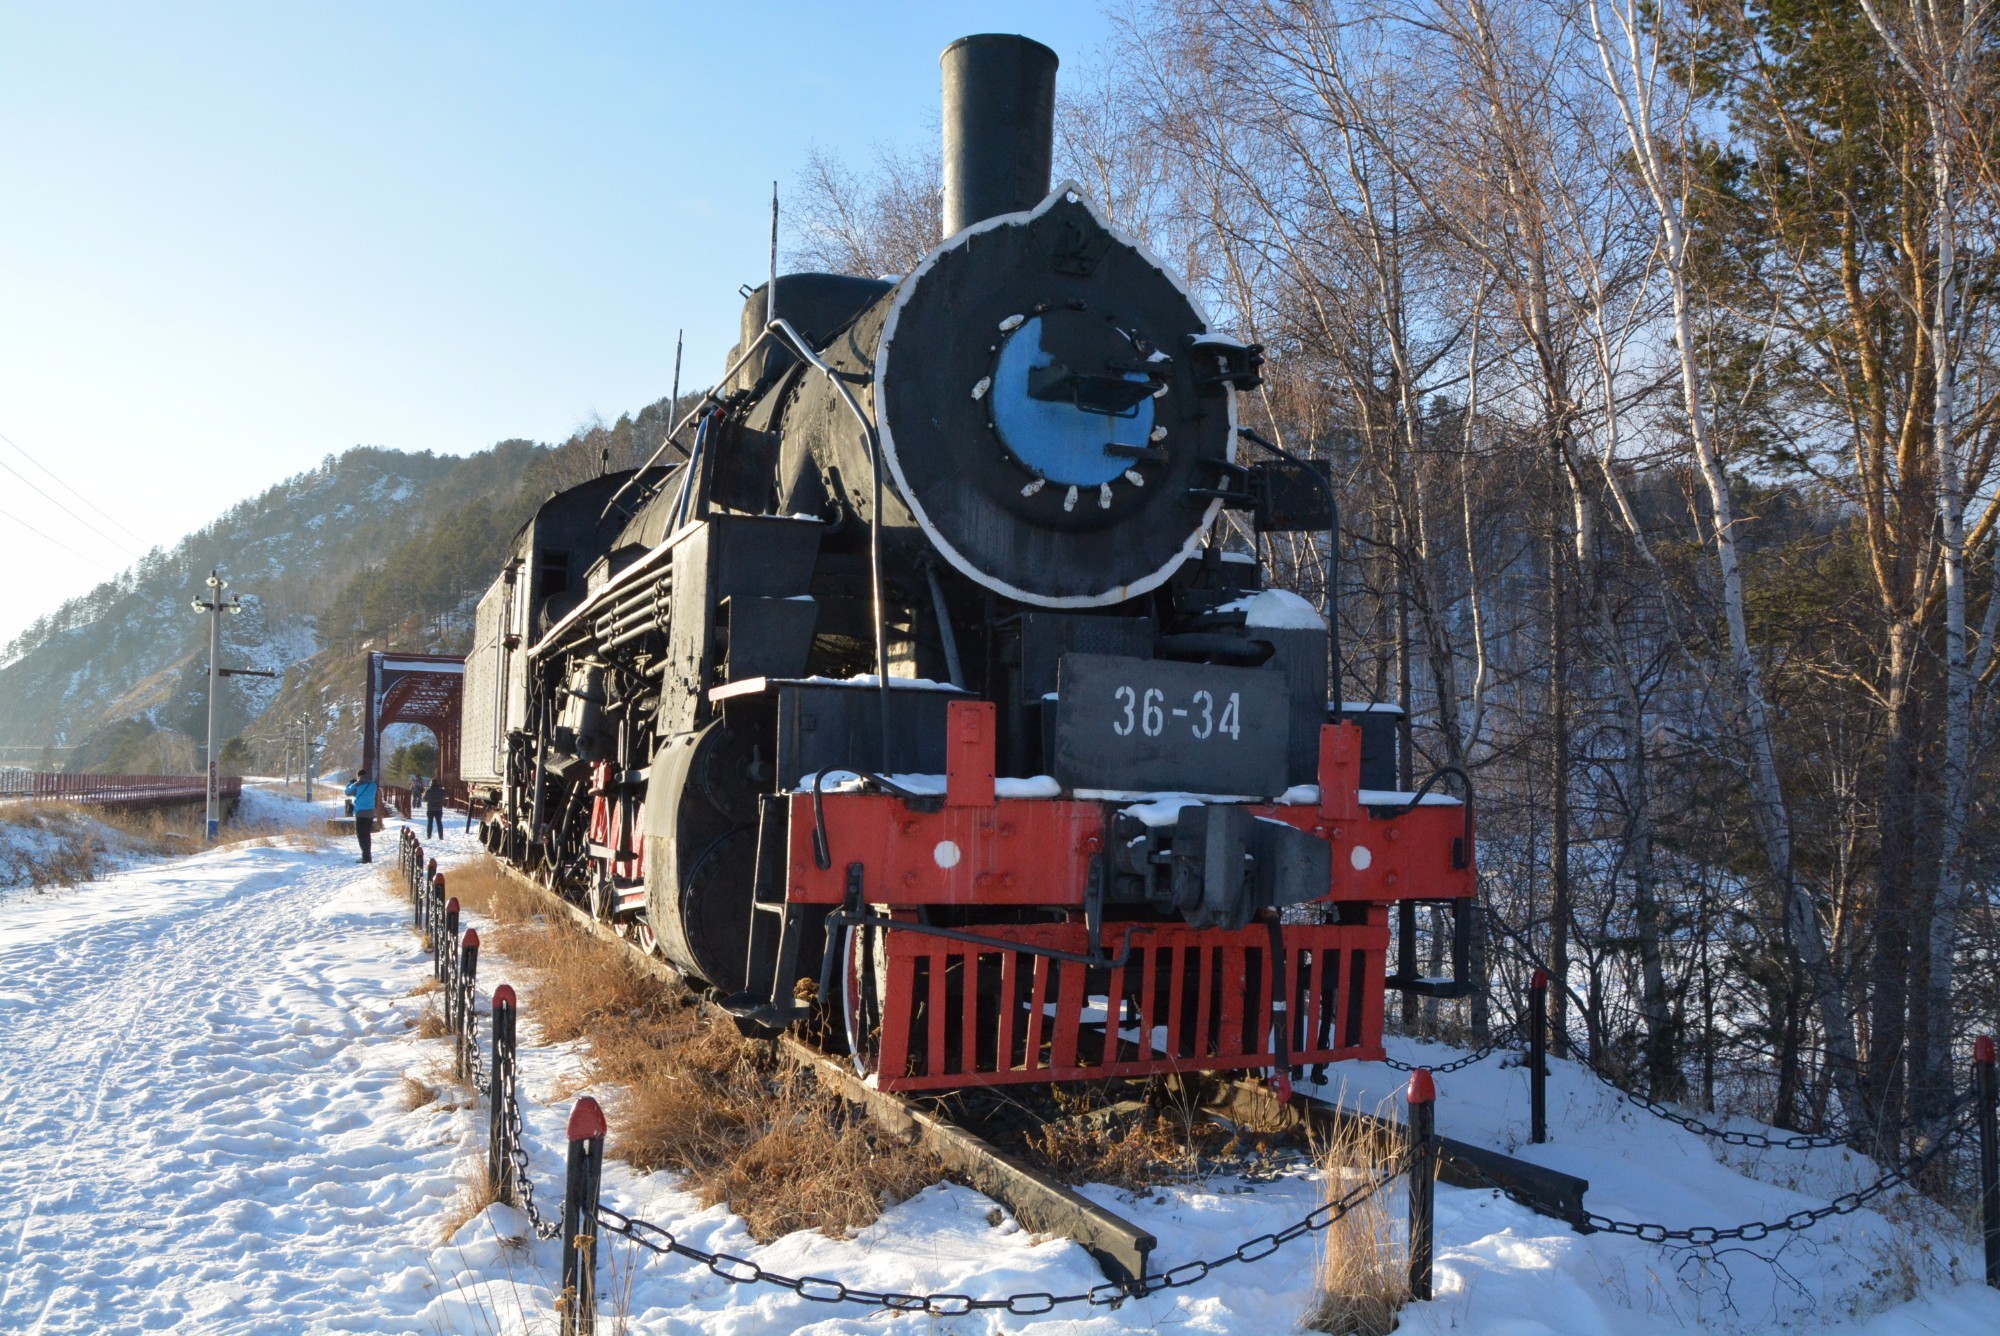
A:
1149, 725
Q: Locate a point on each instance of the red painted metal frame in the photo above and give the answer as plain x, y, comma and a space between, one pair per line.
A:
959, 1013
1019, 851
615, 827
1036, 852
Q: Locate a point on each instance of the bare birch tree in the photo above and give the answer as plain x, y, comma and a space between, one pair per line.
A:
1630, 52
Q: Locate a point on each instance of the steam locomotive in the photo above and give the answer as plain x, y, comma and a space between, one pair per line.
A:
914, 689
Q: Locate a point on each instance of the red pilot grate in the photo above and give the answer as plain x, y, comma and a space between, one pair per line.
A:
1185, 999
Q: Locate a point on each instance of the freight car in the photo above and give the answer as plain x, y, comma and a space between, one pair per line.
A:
913, 687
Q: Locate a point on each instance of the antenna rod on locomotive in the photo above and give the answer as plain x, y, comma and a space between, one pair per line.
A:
674, 395
708, 396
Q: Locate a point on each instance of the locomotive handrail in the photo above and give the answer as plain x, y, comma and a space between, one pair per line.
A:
707, 397
1461, 853
874, 517
686, 498
783, 328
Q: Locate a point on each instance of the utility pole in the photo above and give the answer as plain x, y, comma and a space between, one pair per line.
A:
306, 753
214, 606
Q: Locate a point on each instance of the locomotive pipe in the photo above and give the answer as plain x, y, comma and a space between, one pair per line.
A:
999, 126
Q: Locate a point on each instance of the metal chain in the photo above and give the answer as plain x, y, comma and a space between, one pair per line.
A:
482, 1081
468, 1019
820, 1289
1701, 1236
517, 1155
1754, 1140
476, 1064
1500, 1042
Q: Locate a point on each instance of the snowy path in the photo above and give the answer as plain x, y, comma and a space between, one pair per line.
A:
199, 1118
202, 1129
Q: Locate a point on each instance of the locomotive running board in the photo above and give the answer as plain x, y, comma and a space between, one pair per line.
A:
1037, 1201
1548, 1192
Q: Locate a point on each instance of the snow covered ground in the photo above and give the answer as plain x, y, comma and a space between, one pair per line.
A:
203, 1128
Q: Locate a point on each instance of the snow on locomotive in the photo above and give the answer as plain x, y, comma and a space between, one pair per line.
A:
914, 686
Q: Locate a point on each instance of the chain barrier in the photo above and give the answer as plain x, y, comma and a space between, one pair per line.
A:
475, 1069
658, 1239
1582, 1054
820, 1289
1702, 1236
1501, 1042
517, 1155
1754, 1140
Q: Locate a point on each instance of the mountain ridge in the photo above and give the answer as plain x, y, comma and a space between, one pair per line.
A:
373, 547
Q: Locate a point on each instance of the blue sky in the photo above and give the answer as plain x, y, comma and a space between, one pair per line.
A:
237, 237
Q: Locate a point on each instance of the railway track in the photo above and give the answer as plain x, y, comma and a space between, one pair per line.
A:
1047, 1206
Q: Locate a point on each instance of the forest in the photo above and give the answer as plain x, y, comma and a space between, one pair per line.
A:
420, 594
1652, 348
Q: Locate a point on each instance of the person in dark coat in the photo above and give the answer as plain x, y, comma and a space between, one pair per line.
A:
434, 810
361, 799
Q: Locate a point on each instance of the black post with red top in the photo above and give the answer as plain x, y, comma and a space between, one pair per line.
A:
579, 1218
462, 1008
1423, 1149
500, 1099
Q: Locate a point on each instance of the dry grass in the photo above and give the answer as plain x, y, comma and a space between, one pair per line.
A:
740, 1123
1130, 1151
1363, 1268
49, 844
484, 888
417, 1093
812, 1162
474, 1195
1137, 1145
745, 1125
431, 1024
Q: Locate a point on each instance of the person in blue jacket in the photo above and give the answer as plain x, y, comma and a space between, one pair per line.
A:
362, 790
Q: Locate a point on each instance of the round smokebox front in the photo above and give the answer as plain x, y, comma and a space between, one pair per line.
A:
1041, 412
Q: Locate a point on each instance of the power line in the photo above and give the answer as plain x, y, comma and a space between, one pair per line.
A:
57, 479
64, 546
67, 511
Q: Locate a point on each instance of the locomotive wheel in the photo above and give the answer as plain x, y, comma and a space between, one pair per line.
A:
864, 978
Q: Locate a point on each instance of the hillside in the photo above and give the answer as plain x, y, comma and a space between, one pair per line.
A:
374, 548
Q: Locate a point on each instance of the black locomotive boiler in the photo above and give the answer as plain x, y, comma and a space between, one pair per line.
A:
913, 684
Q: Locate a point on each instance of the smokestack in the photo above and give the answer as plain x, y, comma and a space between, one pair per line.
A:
999, 126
